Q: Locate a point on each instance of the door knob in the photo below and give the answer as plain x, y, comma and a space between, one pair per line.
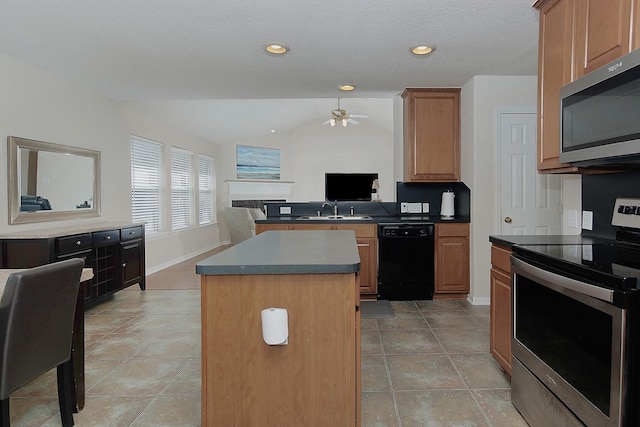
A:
507, 220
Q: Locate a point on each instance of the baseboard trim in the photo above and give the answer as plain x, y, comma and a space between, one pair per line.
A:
184, 258
479, 300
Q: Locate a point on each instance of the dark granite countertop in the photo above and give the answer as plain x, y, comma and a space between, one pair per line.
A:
522, 240
284, 252
374, 220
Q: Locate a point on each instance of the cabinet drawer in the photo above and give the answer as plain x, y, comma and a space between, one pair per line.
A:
71, 244
130, 233
104, 238
361, 230
443, 230
501, 258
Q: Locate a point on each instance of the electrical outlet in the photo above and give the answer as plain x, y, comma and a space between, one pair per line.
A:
285, 210
425, 207
587, 220
404, 207
572, 219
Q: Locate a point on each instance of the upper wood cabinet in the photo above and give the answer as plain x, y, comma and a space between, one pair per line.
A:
576, 37
603, 33
431, 134
555, 69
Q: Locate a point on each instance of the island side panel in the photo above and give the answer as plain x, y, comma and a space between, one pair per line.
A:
310, 381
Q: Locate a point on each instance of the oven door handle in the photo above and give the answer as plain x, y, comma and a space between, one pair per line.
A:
558, 281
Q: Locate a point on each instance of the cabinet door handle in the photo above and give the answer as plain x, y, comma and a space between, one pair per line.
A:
507, 220
124, 264
108, 237
78, 243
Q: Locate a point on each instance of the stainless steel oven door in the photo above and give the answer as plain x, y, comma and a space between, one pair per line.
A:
569, 335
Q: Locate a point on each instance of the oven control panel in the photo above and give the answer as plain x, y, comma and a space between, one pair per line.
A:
626, 213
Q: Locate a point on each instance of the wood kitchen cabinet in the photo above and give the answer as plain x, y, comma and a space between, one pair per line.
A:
431, 134
261, 228
500, 315
575, 38
452, 275
555, 69
367, 240
604, 31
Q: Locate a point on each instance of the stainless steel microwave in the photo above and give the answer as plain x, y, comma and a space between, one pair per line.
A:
600, 115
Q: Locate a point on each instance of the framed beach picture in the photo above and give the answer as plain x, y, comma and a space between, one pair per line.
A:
257, 162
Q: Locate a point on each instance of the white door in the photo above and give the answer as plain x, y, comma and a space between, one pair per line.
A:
529, 202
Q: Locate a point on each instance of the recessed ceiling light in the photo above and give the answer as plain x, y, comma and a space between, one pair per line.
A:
346, 87
272, 131
422, 50
276, 48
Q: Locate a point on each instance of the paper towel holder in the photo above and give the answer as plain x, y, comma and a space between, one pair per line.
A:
275, 326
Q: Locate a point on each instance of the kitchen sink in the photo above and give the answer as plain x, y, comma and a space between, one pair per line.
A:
334, 218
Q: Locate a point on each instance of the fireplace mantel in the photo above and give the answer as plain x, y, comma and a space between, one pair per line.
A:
245, 188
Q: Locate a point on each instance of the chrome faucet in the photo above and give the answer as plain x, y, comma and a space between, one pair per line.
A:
333, 205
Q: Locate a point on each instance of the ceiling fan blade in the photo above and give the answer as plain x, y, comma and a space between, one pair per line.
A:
327, 122
353, 122
359, 116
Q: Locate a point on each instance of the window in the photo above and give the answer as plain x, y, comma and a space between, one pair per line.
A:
146, 183
206, 190
181, 188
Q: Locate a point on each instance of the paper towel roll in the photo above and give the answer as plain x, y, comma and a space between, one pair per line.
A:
275, 326
447, 207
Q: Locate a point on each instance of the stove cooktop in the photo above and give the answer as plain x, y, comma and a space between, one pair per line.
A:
614, 265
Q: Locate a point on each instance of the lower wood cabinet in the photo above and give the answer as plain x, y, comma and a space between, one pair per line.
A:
452, 270
367, 240
500, 317
116, 255
314, 380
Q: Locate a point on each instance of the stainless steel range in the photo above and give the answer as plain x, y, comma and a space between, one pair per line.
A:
576, 321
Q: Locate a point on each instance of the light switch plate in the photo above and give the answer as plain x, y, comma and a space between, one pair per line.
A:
285, 210
572, 219
587, 220
414, 207
425, 207
404, 208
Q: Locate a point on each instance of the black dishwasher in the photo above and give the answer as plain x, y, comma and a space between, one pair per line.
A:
405, 261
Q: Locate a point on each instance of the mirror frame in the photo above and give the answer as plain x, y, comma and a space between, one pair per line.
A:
13, 167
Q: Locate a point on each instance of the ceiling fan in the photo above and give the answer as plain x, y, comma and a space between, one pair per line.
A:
341, 116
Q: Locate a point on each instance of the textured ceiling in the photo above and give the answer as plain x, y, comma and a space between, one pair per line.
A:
162, 50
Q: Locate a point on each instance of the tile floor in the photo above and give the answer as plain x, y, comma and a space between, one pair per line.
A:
428, 366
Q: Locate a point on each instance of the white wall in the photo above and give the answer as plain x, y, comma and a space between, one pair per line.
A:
319, 149
479, 98
310, 150
37, 105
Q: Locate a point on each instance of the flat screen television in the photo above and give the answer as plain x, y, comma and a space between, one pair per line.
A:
349, 187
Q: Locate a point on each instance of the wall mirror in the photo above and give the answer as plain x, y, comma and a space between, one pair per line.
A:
50, 182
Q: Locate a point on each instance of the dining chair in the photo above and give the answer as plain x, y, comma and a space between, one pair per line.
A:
36, 323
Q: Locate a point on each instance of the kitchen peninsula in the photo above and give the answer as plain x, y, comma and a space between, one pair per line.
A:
313, 379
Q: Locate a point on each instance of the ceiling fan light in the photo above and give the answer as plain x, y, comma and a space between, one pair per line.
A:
332, 122
276, 49
344, 122
422, 50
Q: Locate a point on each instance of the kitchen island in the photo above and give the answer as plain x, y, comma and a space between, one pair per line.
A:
313, 379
